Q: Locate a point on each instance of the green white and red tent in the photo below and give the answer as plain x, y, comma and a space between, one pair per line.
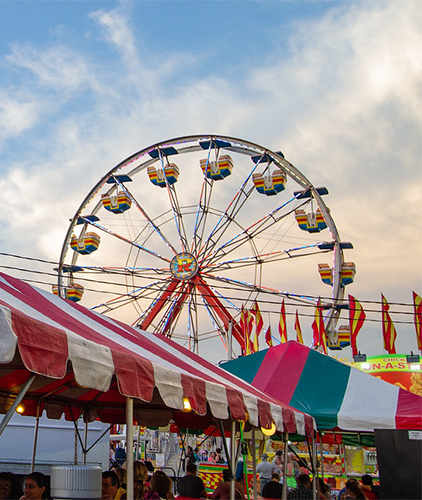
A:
337, 395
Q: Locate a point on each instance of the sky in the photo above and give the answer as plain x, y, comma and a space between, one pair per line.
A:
336, 85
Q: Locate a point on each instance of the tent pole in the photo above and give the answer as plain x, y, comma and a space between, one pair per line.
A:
34, 448
85, 440
233, 459
315, 458
16, 402
129, 436
321, 451
255, 489
286, 461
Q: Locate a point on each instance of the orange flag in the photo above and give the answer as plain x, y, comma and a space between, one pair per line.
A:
298, 329
268, 337
356, 319
259, 326
318, 328
282, 327
388, 330
417, 304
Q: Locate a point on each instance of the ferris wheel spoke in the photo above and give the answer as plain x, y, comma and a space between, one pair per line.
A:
265, 258
233, 208
147, 217
158, 304
139, 272
202, 213
251, 287
131, 296
262, 226
122, 238
170, 318
178, 217
215, 304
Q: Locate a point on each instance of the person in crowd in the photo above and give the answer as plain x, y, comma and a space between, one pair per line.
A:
37, 487
371, 490
292, 470
203, 456
191, 456
353, 490
10, 486
140, 480
120, 454
191, 485
323, 492
222, 491
303, 491
264, 470
160, 487
211, 458
218, 456
111, 489
278, 465
121, 474
273, 489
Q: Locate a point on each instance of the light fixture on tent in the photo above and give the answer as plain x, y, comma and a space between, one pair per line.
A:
270, 431
20, 409
359, 358
412, 358
186, 405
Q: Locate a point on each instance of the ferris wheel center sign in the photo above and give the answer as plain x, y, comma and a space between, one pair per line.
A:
184, 266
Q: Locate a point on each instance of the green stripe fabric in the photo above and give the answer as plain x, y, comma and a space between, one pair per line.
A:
321, 389
245, 367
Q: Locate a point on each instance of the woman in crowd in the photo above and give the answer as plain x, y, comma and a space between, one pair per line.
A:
10, 486
160, 487
37, 487
140, 480
323, 492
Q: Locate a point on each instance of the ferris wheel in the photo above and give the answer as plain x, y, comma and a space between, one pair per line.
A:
182, 235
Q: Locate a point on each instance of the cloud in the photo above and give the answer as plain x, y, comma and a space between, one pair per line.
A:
341, 99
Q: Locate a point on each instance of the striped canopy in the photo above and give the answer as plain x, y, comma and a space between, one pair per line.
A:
87, 364
338, 396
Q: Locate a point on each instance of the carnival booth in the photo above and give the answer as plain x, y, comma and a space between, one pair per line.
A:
59, 357
354, 411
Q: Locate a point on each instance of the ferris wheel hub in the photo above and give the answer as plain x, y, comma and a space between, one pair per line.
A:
184, 266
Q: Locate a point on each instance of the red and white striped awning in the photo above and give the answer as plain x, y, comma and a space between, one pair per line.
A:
87, 363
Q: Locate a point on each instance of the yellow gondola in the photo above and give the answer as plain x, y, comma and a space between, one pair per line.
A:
118, 203
312, 222
217, 170
158, 176
348, 271
341, 339
73, 292
85, 244
270, 184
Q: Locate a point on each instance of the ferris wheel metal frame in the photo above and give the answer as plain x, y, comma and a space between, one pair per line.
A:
179, 285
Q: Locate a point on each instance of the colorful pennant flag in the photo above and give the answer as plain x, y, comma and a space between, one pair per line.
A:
356, 319
268, 337
318, 328
259, 326
247, 328
298, 329
282, 327
388, 330
417, 304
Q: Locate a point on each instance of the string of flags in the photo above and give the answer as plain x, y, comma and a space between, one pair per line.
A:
252, 321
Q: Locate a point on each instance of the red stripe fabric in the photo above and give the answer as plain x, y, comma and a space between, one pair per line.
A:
406, 417
294, 364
